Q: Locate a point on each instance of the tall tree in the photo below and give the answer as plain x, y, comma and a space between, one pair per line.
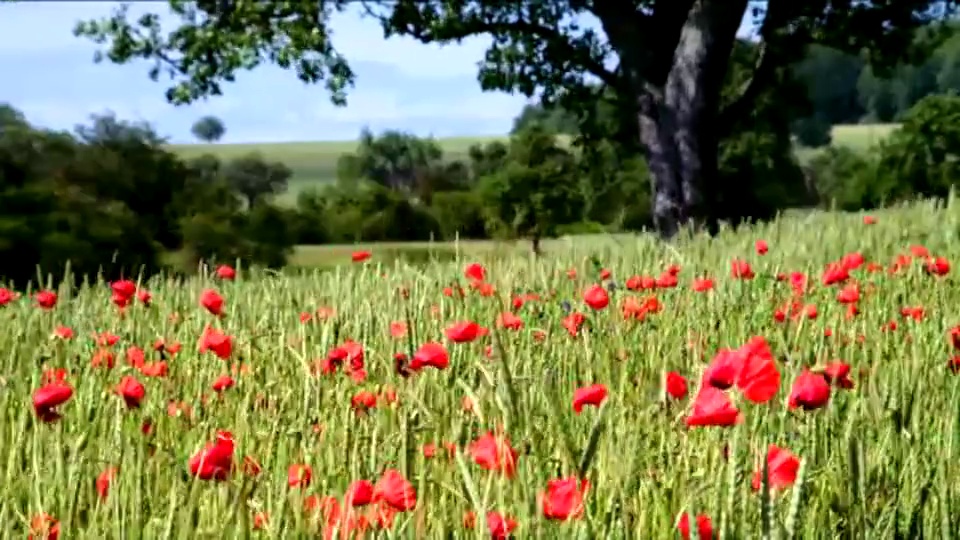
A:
670, 58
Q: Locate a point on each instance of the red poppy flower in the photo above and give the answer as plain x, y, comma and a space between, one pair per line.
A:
939, 266
222, 383
810, 391
761, 247
359, 493
475, 272
46, 299
838, 374
48, 397
226, 273
132, 391
360, 256
563, 498
124, 288
212, 302
759, 379
782, 467
104, 481
712, 407
215, 460
363, 401
44, 527
704, 527
509, 320
6, 296
396, 491
217, 342
723, 370
594, 395
430, 354
299, 475
675, 385
702, 284
494, 453
740, 269
596, 297
500, 525
463, 332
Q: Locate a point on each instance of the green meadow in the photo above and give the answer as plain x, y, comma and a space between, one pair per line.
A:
362, 402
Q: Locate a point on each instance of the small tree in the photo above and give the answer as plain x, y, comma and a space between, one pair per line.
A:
253, 177
208, 129
536, 191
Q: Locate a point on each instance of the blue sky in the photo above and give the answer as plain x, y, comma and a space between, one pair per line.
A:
401, 84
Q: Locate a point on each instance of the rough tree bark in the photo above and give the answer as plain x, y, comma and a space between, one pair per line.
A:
678, 122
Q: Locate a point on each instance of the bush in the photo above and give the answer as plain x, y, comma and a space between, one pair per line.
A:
459, 213
310, 219
813, 131
270, 234
758, 177
918, 160
401, 221
842, 177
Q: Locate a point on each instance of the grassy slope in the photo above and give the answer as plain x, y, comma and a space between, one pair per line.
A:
316, 162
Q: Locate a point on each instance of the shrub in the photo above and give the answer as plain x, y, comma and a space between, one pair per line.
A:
459, 213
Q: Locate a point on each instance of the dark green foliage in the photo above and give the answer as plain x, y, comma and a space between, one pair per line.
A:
812, 131
459, 214
111, 200
759, 176
404, 163
536, 191
208, 129
921, 157
271, 234
839, 175
918, 160
254, 178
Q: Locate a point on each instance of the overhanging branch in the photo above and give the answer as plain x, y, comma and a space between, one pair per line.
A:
475, 26
763, 72
769, 57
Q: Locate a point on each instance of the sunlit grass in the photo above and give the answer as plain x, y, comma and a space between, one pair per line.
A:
879, 459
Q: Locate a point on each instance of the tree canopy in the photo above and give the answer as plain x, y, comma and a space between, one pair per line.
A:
208, 129
664, 62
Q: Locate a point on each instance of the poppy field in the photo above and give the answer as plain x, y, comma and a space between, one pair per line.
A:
793, 380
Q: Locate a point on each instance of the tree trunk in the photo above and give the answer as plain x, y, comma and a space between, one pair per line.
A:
535, 244
677, 122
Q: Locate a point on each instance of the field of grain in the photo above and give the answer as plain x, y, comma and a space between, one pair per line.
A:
315, 163
794, 380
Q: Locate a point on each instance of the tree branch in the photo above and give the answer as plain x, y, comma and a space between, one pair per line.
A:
765, 66
763, 71
623, 22
473, 26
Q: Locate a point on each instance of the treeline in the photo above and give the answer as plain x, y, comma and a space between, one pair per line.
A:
537, 184
836, 88
110, 199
